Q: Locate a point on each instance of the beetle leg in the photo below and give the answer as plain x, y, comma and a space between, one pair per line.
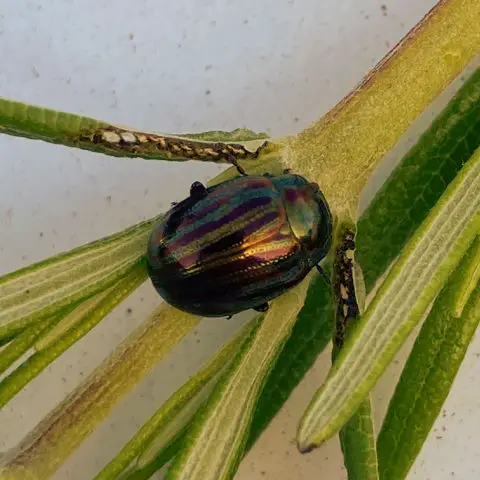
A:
197, 190
173, 204
287, 171
262, 308
239, 168
322, 273
229, 317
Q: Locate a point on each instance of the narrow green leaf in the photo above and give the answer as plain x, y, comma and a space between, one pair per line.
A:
468, 282
19, 345
430, 369
418, 182
21, 119
155, 435
10, 333
217, 438
41, 453
415, 279
237, 135
357, 439
32, 294
28, 337
86, 320
30, 121
162, 459
310, 335
69, 321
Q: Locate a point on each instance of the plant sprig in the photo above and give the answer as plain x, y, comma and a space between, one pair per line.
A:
355, 134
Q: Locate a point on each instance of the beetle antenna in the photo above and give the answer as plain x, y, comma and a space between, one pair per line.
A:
322, 273
235, 163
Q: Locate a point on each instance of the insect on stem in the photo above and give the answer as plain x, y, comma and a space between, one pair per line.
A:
343, 285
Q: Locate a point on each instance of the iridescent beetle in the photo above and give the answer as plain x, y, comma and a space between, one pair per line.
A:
239, 244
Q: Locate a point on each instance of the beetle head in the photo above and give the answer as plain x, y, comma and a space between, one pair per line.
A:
308, 214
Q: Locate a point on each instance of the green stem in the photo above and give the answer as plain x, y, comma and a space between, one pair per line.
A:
340, 150
417, 184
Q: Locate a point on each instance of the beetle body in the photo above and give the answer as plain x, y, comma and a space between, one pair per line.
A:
239, 244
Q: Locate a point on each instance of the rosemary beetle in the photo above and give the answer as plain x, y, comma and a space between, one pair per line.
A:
239, 244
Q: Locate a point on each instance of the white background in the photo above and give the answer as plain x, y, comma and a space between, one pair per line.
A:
183, 66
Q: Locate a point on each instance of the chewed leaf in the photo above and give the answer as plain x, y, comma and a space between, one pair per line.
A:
31, 121
237, 135
416, 278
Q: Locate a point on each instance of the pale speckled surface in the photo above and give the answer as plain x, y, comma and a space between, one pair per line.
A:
183, 66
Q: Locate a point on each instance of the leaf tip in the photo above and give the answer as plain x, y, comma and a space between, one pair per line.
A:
305, 447
306, 442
